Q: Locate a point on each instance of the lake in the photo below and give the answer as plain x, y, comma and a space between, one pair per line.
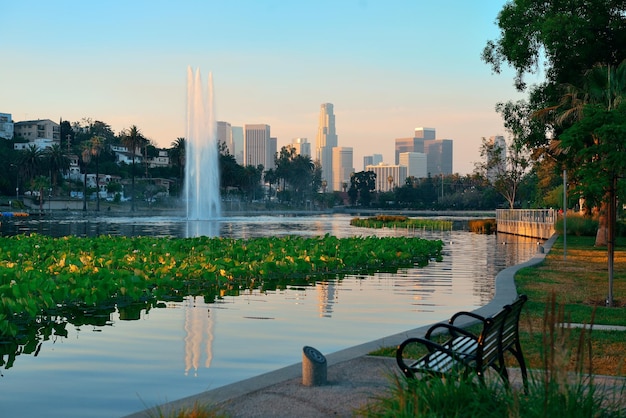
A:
134, 360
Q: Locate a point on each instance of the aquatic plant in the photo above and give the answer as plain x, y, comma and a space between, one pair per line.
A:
40, 275
399, 221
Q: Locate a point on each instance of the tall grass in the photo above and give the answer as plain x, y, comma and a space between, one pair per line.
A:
554, 390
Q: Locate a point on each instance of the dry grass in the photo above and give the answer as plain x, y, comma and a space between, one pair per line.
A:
579, 282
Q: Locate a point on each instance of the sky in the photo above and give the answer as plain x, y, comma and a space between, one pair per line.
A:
387, 66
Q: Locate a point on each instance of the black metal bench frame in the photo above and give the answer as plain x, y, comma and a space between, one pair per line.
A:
464, 352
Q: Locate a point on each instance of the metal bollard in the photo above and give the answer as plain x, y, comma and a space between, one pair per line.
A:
313, 367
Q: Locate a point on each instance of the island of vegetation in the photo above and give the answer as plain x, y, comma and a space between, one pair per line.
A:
43, 277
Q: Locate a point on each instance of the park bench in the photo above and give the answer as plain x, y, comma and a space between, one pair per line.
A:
465, 352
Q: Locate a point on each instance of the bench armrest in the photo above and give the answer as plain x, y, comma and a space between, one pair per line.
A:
464, 313
452, 330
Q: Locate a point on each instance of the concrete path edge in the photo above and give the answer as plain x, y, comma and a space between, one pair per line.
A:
505, 292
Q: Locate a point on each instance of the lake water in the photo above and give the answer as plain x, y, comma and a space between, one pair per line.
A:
140, 360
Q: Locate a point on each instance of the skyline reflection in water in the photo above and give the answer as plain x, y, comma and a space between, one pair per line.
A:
192, 346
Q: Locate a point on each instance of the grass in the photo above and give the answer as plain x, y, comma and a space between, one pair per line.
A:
568, 287
579, 279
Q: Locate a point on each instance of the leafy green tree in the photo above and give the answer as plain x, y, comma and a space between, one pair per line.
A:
571, 38
58, 162
298, 173
504, 168
362, 186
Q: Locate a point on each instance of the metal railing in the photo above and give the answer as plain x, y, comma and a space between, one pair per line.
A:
536, 223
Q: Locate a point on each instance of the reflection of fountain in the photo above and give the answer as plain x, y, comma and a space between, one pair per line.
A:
197, 320
325, 298
202, 191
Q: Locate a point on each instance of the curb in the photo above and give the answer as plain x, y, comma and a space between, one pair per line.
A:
505, 293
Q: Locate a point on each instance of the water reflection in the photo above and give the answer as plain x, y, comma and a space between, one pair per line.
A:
154, 351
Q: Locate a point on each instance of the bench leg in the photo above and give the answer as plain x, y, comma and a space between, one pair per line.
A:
517, 352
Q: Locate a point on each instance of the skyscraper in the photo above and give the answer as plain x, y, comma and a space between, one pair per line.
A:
499, 165
302, 146
237, 136
416, 164
326, 141
439, 156
438, 151
342, 167
225, 135
374, 159
408, 145
256, 145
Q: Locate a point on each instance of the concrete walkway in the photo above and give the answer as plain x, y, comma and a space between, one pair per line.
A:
353, 377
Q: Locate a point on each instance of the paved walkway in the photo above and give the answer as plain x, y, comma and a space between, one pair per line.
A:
353, 377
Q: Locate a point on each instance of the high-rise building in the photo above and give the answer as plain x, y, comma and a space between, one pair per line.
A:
438, 151
6, 126
374, 159
326, 140
256, 144
415, 163
439, 155
270, 158
237, 135
499, 144
342, 167
225, 136
302, 146
408, 145
425, 133
388, 176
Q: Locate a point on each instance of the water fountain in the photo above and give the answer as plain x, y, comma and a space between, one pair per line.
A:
202, 191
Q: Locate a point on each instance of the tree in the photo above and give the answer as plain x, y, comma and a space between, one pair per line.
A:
567, 37
177, 155
58, 162
362, 185
30, 161
85, 159
40, 183
95, 147
132, 140
298, 173
570, 37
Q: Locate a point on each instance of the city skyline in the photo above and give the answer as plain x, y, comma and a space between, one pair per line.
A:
273, 63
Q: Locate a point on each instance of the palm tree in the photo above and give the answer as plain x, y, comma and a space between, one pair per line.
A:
588, 112
95, 147
86, 158
177, 155
132, 140
58, 161
40, 183
30, 162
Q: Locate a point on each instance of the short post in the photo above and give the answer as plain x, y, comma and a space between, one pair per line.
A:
313, 367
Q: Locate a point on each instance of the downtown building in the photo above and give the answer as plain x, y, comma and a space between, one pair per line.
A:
496, 161
438, 151
259, 148
342, 168
302, 146
325, 142
388, 176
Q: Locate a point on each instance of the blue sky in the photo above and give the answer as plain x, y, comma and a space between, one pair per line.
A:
388, 66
